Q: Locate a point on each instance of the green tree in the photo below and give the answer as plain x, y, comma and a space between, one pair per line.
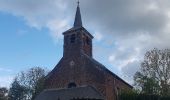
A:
17, 91
154, 76
30, 83
3, 93
147, 85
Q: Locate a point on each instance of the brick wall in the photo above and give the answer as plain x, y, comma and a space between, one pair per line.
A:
82, 71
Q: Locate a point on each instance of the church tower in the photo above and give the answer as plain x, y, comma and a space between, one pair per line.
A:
77, 68
77, 40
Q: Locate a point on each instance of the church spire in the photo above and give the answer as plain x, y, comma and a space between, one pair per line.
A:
78, 21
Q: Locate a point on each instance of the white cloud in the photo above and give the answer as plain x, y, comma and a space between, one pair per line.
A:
98, 36
5, 70
57, 27
39, 14
6, 81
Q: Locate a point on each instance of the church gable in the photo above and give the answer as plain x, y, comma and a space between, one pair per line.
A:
84, 70
69, 70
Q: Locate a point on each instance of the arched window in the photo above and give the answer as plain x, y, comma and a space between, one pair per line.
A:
72, 38
72, 85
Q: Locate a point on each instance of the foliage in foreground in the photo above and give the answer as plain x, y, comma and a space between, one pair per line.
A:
154, 76
133, 95
27, 84
3, 93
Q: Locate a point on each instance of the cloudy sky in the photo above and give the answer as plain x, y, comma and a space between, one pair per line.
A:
31, 32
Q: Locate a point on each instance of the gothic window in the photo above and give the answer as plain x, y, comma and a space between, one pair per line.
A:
72, 38
72, 85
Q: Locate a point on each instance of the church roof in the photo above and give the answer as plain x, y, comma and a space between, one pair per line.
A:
78, 23
86, 92
103, 68
74, 29
89, 61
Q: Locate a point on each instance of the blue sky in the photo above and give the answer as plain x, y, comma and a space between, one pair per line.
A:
31, 33
23, 47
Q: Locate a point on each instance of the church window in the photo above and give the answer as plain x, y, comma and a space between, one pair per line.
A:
87, 41
72, 85
72, 38
66, 39
118, 91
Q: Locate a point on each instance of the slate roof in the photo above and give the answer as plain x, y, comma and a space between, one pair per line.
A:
78, 21
94, 63
86, 92
74, 29
102, 67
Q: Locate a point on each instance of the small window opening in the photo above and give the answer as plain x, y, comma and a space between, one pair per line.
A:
73, 38
87, 41
118, 93
66, 39
72, 85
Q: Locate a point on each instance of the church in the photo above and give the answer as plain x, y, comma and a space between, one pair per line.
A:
78, 76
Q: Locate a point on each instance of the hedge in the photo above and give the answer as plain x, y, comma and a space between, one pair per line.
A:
136, 96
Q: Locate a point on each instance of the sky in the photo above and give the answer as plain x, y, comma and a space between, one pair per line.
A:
123, 30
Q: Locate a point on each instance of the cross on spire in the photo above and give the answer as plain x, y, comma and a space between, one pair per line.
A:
78, 2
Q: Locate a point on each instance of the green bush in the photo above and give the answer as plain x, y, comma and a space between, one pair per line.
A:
132, 95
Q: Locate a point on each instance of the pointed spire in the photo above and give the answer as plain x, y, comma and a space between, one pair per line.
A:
78, 21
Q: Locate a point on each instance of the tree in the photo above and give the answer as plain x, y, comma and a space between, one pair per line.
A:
17, 91
154, 76
28, 84
148, 85
3, 93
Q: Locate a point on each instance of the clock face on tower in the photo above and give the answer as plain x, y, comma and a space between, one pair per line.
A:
72, 63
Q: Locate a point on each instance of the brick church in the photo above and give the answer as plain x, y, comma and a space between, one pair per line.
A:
78, 76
